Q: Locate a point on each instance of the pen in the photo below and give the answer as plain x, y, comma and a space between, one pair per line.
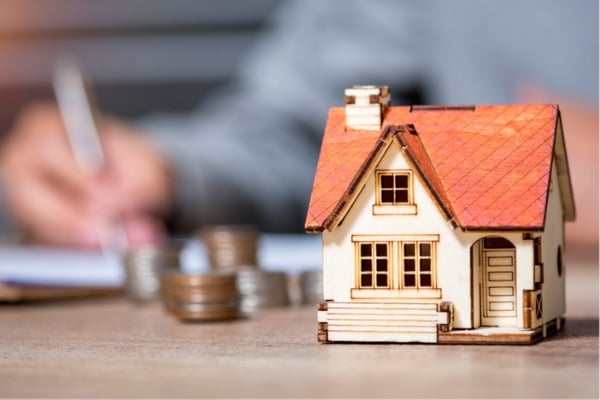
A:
78, 116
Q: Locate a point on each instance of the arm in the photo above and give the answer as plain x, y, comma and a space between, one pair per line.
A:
246, 156
249, 153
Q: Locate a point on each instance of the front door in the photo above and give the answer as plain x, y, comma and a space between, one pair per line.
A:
498, 277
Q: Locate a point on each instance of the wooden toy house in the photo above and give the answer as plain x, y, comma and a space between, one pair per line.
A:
441, 224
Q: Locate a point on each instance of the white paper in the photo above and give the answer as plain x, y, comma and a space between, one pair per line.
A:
60, 267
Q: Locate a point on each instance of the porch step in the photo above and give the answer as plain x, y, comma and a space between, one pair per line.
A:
383, 322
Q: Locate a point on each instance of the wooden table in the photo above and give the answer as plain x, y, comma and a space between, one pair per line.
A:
112, 348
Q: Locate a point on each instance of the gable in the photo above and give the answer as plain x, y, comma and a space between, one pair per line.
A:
343, 163
487, 166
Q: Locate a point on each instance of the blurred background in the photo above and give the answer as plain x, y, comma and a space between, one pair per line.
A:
143, 55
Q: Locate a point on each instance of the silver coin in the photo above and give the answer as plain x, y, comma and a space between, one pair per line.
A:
262, 289
143, 268
311, 286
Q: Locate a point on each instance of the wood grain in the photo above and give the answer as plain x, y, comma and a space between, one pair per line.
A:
111, 348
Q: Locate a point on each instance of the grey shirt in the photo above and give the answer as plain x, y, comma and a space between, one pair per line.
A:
249, 154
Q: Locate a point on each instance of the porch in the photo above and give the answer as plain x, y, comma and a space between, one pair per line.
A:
500, 335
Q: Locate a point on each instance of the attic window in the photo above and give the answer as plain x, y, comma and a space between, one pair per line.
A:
394, 192
394, 188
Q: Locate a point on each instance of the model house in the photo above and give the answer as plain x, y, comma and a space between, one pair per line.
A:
441, 224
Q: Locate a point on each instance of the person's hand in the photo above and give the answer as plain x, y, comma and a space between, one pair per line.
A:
54, 202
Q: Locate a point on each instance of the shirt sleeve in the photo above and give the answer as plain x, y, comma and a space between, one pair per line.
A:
248, 153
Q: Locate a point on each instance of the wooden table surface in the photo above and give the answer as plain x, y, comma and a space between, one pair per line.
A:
112, 348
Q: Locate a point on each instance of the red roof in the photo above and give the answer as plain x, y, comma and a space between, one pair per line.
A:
487, 166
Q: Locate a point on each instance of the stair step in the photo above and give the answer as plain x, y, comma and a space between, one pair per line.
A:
384, 317
383, 306
389, 313
372, 337
371, 328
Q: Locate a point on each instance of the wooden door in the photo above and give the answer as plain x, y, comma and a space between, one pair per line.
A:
498, 295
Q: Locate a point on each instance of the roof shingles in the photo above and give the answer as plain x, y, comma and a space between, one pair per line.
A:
488, 167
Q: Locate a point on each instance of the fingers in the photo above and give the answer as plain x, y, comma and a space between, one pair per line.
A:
51, 216
135, 175
44, 187
38, 143
55, 202
143, 230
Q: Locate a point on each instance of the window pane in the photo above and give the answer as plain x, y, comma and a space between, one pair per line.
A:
366, 280
381, 249
497, 243
382, 280
409, 280
401, 181
425, 249
401, 196
365, 265
365, 250
387, 196
425, 280
425, 264
409, 265
409, 249
382, 264
387, 181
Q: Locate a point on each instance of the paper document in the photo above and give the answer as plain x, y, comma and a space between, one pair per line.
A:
60, 267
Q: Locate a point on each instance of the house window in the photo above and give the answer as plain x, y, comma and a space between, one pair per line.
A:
394, 193
394, 187
417, 265
374, 264
405, 265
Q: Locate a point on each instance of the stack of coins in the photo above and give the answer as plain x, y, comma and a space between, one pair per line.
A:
311, 286
262, 289
234, 249
230, 246
143, 268
202, 297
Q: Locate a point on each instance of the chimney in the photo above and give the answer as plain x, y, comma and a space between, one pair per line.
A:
366, 106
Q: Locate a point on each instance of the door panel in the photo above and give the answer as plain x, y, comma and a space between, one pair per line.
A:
499, 286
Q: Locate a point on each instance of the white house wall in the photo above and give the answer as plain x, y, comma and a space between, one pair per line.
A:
553, 288
339, 251
453, 249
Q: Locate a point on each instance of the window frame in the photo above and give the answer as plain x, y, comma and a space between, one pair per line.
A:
396, 287
418, 271
394, 173
374, 272
390, 208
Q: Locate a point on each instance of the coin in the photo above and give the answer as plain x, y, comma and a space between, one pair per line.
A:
200, 280
201, 297
230, 246
196, 313
143, 268
311, 286
234, 249
262, 289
